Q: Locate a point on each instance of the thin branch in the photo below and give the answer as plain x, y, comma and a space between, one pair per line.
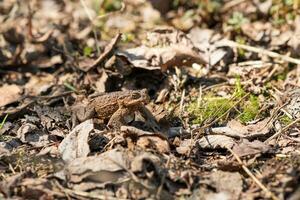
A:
278, 133
271, 54
92, 21
245, 168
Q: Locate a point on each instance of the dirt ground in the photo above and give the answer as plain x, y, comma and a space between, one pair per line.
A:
208, 101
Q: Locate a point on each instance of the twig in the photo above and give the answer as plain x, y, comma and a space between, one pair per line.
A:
181, 102
159, 190
271, 54
231, 4
245, 168
92, 21
89, 195
282, 130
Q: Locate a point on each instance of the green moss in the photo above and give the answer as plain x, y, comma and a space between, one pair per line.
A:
111, 6
87, 51
238, 90
241, 40
210, 108
237, 20
250, 109
127, 37
285, 120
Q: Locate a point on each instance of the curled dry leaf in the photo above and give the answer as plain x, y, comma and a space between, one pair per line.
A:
206, 41
30, 133
106, 167
9, 94
39, 84
237, 130
241, 148
154, 142
230, 183
216, 141
246, 148
147, 140
75, 145
164, 48
184, 146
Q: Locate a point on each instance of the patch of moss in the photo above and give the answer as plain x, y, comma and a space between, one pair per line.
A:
238, 90
111, 6
250, 109
285, 120
237, 20
211, 107
87, 51
127, 37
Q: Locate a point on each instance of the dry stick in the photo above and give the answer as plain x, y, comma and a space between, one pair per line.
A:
282, 130
89, 195
245, 168
91, 19
262, 51
181, 102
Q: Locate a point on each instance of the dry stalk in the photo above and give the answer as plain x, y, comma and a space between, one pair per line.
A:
246, 169
271, 54
278, 133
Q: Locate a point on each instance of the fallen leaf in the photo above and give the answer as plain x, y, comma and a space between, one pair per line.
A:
30, 133
75, 144
9, 94
164, 48
227, 182
39, 84
184, 147
106, 167
237, 130
246, 148
216, 141
154, 142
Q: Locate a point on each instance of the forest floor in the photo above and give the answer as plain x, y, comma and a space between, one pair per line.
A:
219, 119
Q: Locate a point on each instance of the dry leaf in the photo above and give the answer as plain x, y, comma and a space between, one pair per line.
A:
30, 133
227, 182
237, 130
39, 84
106, 167
75, 145
184, 146
9, 94
154, 142
165, 48
246, 148
216, 141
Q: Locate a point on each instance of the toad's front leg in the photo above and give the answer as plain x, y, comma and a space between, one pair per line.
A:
149, 118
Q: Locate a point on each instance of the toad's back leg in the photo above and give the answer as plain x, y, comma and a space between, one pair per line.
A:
121, 117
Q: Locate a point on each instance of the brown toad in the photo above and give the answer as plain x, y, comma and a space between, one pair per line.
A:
116, 107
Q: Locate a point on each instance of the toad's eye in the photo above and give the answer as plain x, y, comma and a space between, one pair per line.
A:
136, 95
